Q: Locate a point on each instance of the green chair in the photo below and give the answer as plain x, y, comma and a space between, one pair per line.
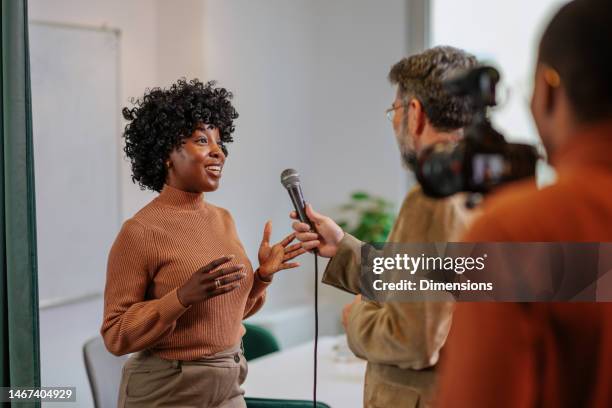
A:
258, 342
278, 403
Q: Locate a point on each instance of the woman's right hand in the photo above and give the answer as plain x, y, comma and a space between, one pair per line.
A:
203, 283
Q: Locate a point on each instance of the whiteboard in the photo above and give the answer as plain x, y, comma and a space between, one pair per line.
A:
75, 110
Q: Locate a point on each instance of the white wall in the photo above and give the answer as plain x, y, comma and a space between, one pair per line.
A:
137, 21
357, 42
180, 43
506, 34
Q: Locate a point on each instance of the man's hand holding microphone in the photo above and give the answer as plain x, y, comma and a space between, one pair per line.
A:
325, 238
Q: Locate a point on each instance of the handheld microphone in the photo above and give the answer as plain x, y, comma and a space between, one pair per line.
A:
290, 179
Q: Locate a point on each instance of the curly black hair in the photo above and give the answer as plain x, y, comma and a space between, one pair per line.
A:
163, 118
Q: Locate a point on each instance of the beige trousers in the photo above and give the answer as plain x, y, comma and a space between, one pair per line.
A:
211, 382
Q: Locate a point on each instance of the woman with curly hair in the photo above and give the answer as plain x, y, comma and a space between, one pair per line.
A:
179, 282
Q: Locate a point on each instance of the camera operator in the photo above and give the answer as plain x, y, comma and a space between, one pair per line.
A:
402, 341
548, 354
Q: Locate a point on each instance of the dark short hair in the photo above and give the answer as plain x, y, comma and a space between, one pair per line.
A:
163, 118
577, 43
421, 75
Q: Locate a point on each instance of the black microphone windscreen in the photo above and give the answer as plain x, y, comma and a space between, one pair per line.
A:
290, 177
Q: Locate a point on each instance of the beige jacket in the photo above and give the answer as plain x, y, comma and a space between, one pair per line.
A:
400, 341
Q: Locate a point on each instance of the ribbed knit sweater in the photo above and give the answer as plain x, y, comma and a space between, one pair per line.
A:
156, 251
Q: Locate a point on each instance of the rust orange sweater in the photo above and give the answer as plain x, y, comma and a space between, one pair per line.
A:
539, 354
156, 251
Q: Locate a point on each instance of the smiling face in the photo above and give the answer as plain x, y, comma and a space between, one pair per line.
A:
197, 164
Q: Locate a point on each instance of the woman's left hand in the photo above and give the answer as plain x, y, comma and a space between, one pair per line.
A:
276, 257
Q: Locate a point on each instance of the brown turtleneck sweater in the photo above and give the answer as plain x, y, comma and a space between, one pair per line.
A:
156, 251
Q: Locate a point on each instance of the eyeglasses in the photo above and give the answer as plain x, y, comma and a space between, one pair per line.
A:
391, 111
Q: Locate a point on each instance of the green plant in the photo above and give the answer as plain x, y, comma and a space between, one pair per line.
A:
372, 217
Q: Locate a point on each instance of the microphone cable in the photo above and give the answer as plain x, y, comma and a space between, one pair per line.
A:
316, 337
290, 179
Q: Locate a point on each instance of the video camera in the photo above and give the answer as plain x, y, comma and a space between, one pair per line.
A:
483, 159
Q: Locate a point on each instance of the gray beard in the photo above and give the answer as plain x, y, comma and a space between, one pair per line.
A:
409, 160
